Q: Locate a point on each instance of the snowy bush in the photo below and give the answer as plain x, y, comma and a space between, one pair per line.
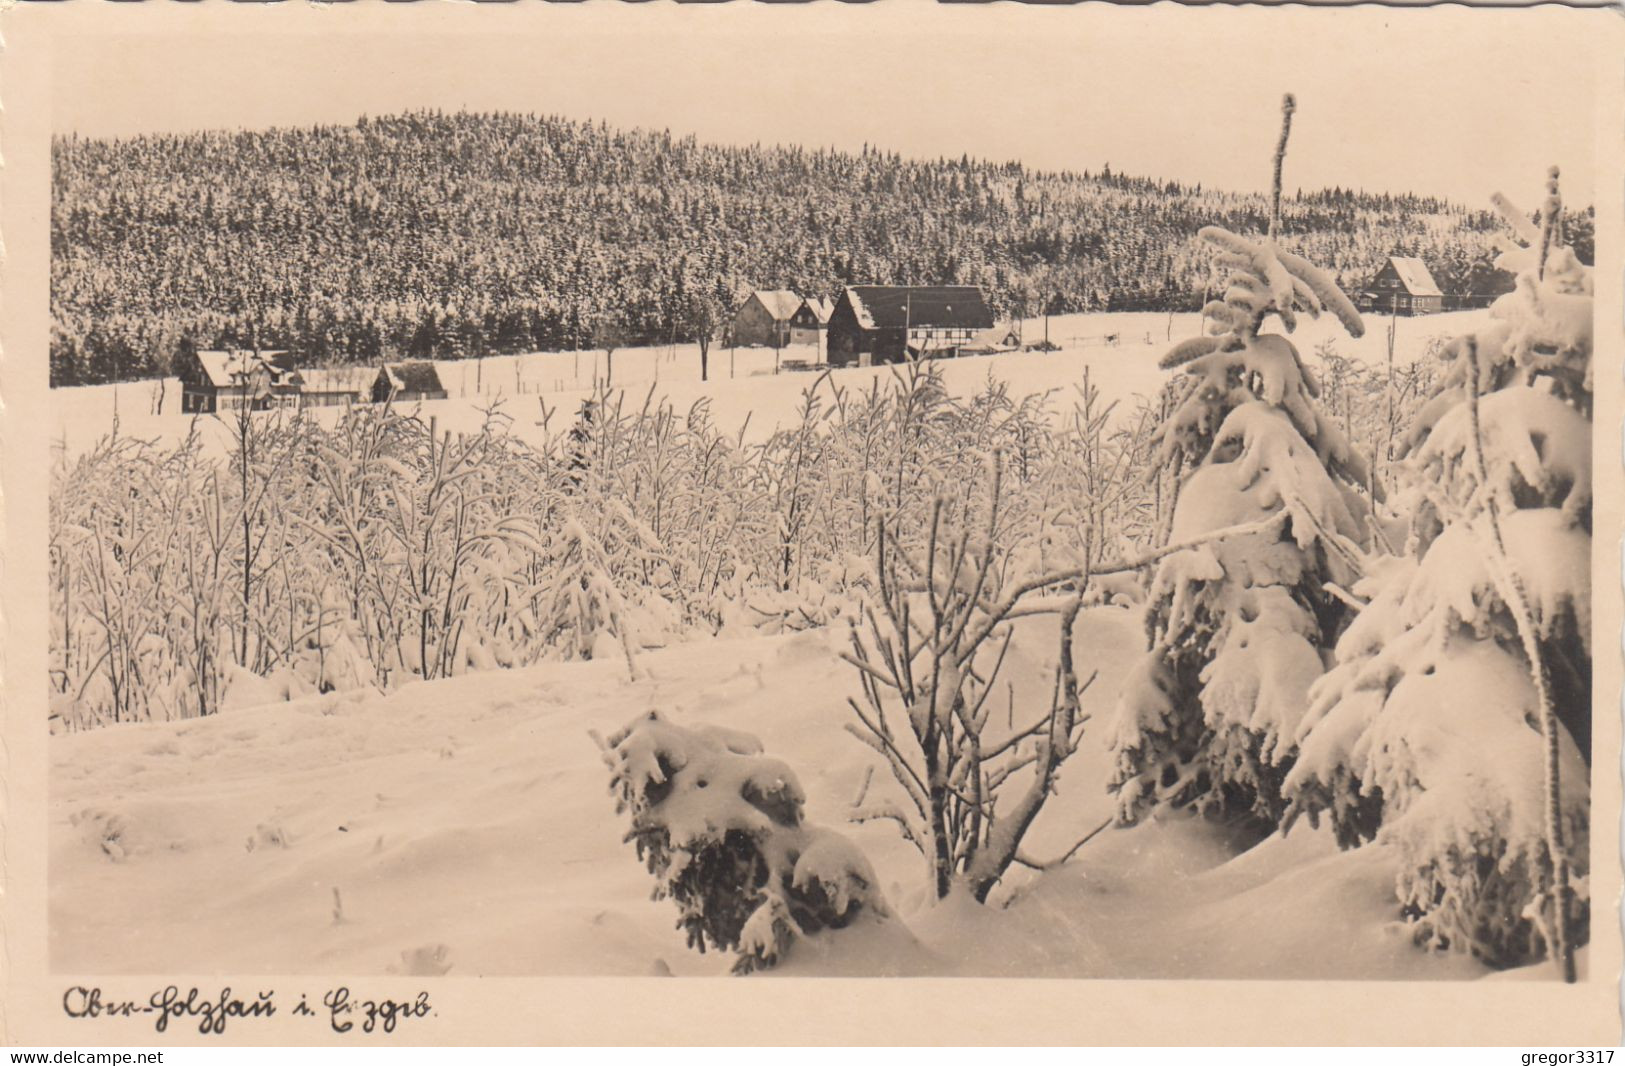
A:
1373, 404
168, 569
933, 639
720, 826
1456, 724
429, 539
381, 549
1265, 516
1088, 498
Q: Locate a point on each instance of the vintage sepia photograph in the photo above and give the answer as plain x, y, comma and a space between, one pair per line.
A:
827, 493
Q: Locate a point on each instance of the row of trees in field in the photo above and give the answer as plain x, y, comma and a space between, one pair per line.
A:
452, 235
381, 549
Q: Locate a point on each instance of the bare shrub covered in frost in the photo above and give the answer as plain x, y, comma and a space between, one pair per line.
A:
427, 536
1090, 502
933, 639
1267, 514
1373, 404
170, 570
720, 826
1456, 724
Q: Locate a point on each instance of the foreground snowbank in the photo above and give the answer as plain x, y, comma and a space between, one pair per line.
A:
464, 826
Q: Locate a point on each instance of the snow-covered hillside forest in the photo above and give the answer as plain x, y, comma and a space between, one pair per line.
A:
432, 235
923, 679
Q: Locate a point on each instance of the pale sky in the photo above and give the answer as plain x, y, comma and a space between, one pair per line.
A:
1445, 101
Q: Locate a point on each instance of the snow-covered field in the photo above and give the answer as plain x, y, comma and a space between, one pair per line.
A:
464, 826
743, 390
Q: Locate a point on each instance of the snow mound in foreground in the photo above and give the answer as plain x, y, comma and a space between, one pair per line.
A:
461, 826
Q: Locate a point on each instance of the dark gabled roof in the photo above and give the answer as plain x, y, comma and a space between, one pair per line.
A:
413, 377
920, 306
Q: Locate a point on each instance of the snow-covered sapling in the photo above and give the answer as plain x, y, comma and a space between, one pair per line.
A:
720, 826
1456, 725
1265, 503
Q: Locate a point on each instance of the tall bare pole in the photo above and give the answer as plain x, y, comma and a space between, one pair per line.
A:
1288, 105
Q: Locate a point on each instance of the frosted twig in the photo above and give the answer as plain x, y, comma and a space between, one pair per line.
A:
1140, 562
863, 786
1051, 864
1344, 595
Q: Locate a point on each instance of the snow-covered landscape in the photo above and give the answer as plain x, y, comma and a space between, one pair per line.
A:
354, 831
462, 826
553, 385
1245, 638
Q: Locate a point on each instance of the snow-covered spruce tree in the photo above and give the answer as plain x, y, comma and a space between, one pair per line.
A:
582, 610
720, 826
1264, 517
1456, 725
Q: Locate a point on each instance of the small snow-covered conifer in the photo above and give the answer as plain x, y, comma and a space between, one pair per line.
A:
1456, 724
720, 826
1265, 515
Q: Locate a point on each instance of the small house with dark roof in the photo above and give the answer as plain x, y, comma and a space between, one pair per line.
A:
874, 324
214, 380
407, 383
1404, 286
807, 325
993, 341
764, 318
335, 386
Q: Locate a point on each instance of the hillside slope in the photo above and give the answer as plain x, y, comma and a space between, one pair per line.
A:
445, 235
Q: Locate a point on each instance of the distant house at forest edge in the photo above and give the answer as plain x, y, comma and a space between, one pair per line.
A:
407, 382
874, 324
335, 387
1403, 286
214, 380
807, 325
764, 318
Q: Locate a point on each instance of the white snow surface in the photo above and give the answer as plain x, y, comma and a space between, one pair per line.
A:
750, 390
465, 827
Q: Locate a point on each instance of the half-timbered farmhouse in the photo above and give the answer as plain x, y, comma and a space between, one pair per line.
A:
874, 324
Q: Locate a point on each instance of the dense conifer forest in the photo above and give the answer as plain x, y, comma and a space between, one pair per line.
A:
457, 235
